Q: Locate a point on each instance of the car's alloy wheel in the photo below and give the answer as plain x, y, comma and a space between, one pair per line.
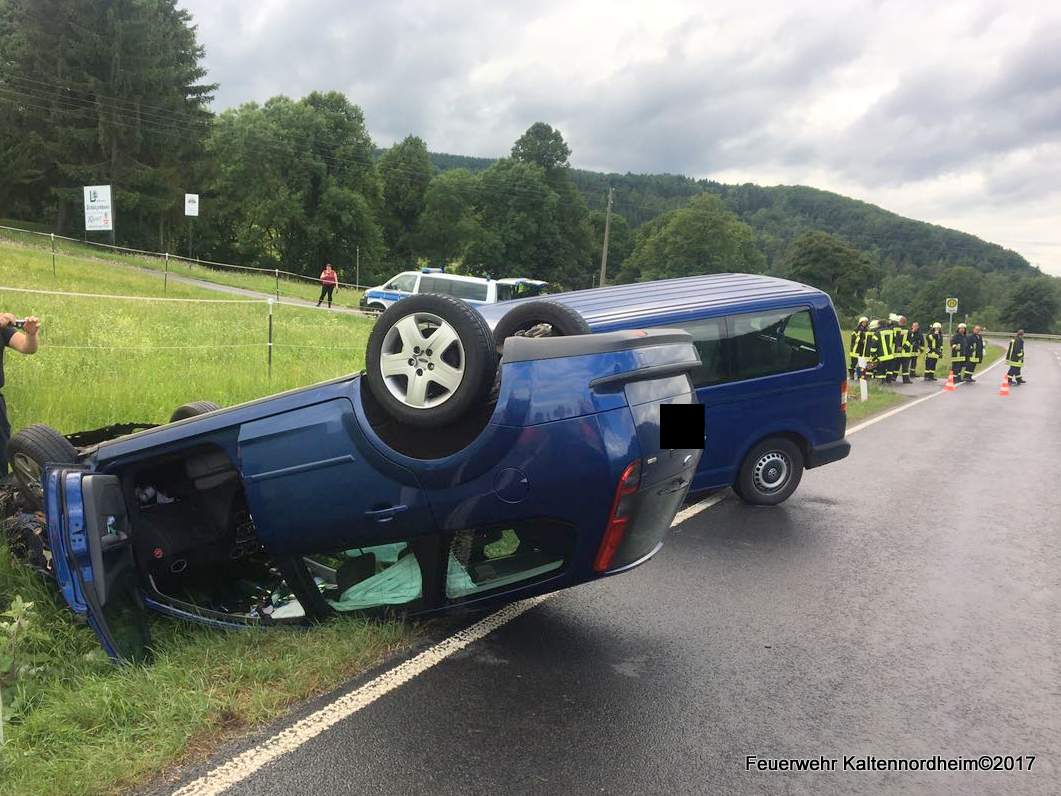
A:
422, 361
29, 473
430, 360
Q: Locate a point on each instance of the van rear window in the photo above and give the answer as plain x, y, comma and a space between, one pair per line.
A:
775, 341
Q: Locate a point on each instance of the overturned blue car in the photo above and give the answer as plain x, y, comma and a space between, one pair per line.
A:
456, 470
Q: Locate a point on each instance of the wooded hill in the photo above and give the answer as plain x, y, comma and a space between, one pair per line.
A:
779, 214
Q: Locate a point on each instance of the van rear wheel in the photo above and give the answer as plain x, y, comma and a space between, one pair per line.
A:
770, 472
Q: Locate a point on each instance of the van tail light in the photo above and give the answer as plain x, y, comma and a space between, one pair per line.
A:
843, 396
622, 505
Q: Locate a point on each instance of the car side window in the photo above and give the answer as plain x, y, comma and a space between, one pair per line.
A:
707, 339
406, 283
770, 342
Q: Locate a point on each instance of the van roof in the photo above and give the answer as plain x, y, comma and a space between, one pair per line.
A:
684, 297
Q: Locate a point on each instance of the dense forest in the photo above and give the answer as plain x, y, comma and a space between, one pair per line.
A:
115, 93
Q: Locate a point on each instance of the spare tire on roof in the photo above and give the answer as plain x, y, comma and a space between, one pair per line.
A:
193, 409
539, 319
430, 360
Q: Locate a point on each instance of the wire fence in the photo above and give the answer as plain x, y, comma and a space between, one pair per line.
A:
268, 344
277, 274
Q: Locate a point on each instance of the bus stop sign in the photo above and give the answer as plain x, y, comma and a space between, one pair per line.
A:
952, 305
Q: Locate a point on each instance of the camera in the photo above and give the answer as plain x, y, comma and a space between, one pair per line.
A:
20, 323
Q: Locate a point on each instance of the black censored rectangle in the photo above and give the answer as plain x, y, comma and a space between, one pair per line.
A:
681, 426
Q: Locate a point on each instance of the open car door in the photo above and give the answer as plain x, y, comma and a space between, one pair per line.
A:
88, 529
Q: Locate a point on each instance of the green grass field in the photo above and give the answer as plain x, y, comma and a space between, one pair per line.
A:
82, 725
289, 287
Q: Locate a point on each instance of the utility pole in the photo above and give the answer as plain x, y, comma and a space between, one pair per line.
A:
357, 273
607, 229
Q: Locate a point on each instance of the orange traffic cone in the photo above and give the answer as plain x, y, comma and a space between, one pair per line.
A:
1003, 390
949, 386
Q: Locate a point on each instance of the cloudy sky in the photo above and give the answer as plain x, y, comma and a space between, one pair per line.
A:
945, 112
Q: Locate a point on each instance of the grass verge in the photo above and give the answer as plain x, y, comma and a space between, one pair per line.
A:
884, 397
81, 725
262, 282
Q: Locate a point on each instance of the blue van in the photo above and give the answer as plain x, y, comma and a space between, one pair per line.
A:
773, 373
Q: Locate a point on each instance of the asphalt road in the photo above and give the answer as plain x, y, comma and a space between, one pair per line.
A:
904, 603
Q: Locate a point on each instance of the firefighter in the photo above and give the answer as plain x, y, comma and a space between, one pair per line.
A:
916, 340
902, 349
933, 350
975, 354
889, 335
1015, 358
857, 349
959, 350
884, 352
874, 369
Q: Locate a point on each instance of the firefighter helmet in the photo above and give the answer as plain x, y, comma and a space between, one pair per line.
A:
863, 319
874, 325
937, 325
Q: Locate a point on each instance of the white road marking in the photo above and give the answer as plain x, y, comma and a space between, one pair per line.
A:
912, 404
242, 766
696, 508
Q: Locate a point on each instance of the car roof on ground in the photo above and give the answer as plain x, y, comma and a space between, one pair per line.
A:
714, 294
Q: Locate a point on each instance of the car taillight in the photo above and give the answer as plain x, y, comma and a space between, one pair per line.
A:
843, 396
629, 482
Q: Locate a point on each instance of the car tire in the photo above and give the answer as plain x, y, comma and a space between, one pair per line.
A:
564, 321
419, 385
194, 409
27, 453
770, 472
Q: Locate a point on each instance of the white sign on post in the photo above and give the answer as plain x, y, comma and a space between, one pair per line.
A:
99, 215
191, 204
952, 305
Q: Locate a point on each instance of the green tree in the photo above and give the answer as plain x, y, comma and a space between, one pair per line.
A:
701, 238
833, 265
449, 224
1032, 307
542, 146
299, 186
898, 292
107, 93
405, 172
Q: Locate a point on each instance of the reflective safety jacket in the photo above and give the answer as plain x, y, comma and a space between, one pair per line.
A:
1015, 353
934, 344
901, 336
859, 340
976, 348
885, 344
916, 341
959, 347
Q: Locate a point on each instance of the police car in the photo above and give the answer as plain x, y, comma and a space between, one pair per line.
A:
472, 289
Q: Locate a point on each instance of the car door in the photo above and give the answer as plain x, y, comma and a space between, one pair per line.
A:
315, 484
88, 529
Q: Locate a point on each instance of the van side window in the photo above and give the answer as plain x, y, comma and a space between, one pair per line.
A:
432, 284
775, 341
707, 339
476, 291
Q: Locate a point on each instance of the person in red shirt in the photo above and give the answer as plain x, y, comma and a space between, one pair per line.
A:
329, 279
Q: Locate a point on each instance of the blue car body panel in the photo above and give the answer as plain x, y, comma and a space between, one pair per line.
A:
802, 403
317, 477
